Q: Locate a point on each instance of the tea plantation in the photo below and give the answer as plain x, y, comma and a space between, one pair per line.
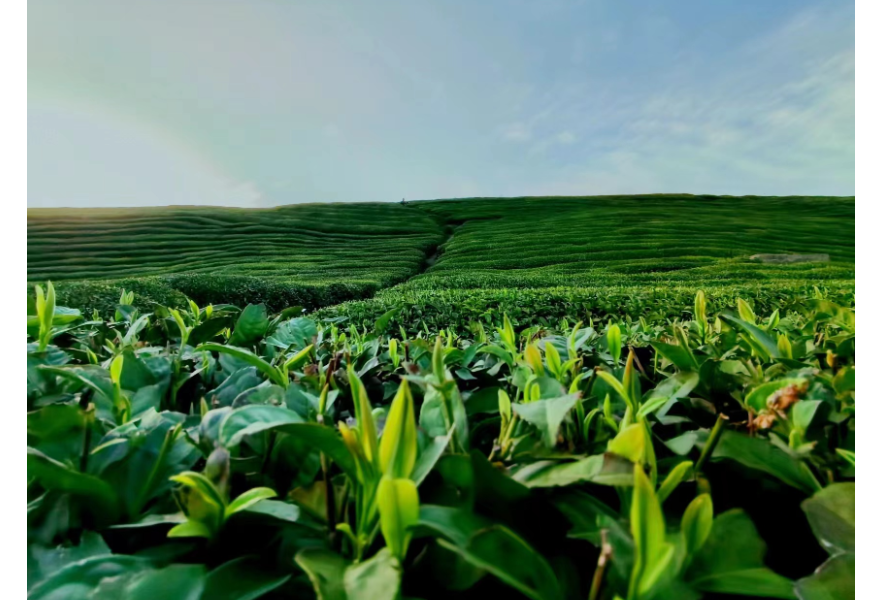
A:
542, 398
318, 255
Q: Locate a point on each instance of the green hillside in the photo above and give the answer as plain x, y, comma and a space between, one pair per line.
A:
630, 240
321, 254
312, 243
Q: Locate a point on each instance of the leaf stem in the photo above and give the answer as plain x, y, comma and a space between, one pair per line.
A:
330, 503
87, 442
711, 443
602, 561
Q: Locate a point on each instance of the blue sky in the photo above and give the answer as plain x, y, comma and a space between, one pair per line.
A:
266, 102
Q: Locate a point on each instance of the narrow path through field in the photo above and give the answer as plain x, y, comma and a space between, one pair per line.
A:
433, 257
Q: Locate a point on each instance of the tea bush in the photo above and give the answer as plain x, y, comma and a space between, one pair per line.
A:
212, 452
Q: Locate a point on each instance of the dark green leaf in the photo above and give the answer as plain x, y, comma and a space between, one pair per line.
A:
208, 330
271, 372
485, 400
251, 325
831, 513
80, 580
759, 337
252, 419
428, 457
760, 454
294, 334
382, 323
324, 439
45, 562
325, 570
502, 553
731, 561
455, 524
834, 580
241, 579
178, 582
588, 515
679, 356
604, 469
98, 495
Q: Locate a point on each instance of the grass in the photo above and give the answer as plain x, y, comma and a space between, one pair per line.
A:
316, 255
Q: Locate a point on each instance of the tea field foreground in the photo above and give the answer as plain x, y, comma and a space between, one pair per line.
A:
562, 398
561, 249
224, 452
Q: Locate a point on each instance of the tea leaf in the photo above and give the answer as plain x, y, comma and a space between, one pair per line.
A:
831, 514
547, 415
502, 553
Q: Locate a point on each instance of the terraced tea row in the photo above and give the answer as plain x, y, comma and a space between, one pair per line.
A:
316, 255
626, 240
380, 243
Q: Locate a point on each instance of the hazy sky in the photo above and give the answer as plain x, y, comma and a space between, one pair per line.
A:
265, 102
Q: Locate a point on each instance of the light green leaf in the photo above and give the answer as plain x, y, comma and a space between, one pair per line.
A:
399, 508
378, 578
614, 342
697, 523
745, 312
200, 484
547, 415
190, 528
398, 445
650, 406
552, 357
615, 384
630, 443
652, 553
675, 476
293, 334
247, 499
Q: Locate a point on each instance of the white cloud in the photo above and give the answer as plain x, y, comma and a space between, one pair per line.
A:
516, 132
775, 116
